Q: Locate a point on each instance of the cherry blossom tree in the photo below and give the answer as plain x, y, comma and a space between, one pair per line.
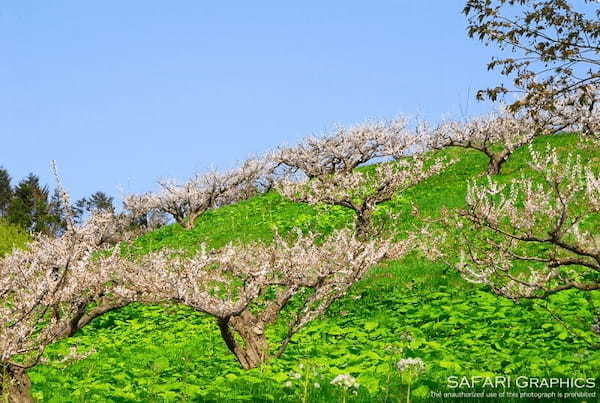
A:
44, 290
324, 169
362, 192
247, 287
346, 148
574, 114
188, 201
497, 135
47, 289
534, 237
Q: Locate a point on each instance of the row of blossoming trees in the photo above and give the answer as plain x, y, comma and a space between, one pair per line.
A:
57, 285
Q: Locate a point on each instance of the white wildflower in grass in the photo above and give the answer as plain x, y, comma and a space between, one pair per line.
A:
410, 365
307, 374
395, 349
410, 368
346, 381
406, 337
287, 384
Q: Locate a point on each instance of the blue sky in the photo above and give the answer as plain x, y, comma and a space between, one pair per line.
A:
121, 93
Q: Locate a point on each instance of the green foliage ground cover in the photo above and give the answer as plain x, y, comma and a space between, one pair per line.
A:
11, 236
409, 308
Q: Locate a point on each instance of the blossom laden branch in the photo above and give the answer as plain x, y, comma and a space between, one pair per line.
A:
45, 288
497, 135
232, 284
531, 239
360, 191
347, 148
188, 201
332, 174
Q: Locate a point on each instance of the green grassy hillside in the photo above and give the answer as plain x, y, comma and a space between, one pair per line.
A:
408, 308
11, 236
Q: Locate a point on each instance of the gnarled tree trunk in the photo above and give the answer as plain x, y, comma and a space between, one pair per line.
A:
15, 386
83, 317
187, 221
364, 223
496, 161
254, 349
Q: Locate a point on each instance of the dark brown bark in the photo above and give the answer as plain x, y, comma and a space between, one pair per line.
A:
254, 349
188, 222
15, 386
83, 317
363, 224
497, 159
495, 164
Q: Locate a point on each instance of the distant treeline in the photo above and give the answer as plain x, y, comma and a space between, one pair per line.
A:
33, 207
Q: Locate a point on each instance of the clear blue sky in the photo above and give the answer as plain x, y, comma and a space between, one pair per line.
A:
125, 92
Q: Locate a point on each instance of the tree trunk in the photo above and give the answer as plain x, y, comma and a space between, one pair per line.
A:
15, 386
105, 305
495, 164
255, 348
363, 224
187, 222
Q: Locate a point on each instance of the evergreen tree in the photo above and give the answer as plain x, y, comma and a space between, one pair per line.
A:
98, 201
29, 206
101, 201
5, 191
58, 220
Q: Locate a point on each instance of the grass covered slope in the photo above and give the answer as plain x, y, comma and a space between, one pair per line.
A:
410, 308
11, 236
